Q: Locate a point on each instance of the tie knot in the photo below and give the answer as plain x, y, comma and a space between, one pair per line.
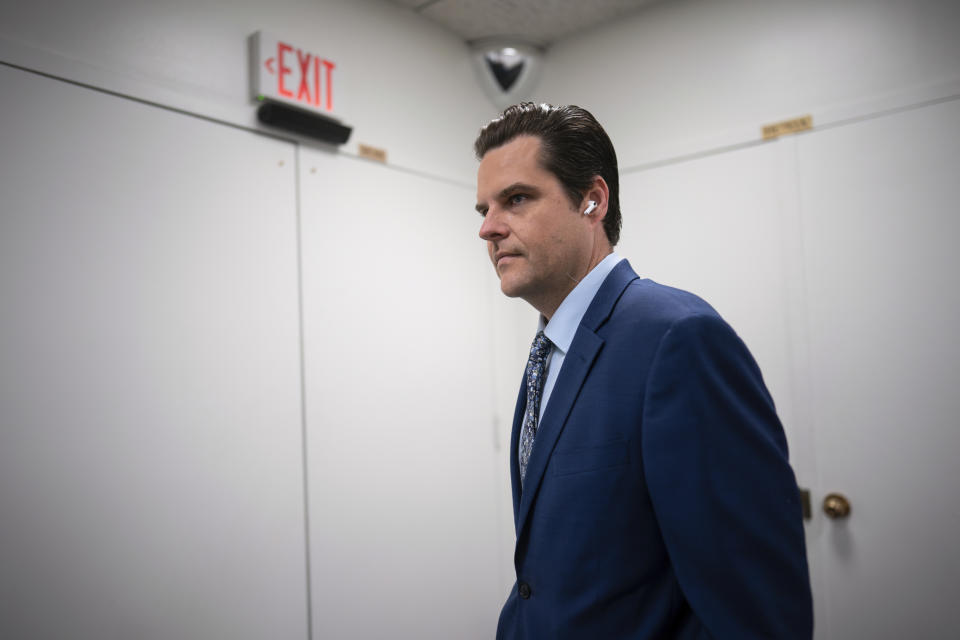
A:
541, 345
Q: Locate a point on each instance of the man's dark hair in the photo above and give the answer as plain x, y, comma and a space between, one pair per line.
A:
573, 147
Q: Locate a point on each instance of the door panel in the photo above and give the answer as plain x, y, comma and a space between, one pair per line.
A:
151, 480
833, 254
880, 229
404, 510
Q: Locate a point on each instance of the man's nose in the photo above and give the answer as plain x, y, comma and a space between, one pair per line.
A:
493, 227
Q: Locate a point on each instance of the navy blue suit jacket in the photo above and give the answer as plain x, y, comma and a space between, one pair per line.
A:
658, 499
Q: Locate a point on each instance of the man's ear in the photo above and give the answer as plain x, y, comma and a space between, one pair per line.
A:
596, 200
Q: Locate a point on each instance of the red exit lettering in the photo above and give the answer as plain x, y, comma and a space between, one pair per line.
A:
310, 77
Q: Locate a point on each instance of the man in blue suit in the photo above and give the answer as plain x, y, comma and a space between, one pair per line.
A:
651, 490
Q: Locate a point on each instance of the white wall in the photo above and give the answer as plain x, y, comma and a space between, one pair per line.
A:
683, 88
686, 76
682, 81
403, 83
406, 472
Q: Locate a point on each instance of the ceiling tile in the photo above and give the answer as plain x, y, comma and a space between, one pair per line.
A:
538, 22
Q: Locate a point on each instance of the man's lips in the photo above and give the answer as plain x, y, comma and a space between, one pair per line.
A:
503, 256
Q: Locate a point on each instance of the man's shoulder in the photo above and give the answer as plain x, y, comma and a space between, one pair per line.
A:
650, 316
633, 308
651, 303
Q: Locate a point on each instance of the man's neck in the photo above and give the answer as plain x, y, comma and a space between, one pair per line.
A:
548, 307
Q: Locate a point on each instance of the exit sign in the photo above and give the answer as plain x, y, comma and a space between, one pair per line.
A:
289, 73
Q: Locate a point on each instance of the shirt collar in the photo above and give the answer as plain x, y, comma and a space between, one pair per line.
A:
563, 325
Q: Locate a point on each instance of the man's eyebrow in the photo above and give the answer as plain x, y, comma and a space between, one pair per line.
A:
517, 186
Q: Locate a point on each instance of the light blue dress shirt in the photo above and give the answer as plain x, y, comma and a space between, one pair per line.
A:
563, 325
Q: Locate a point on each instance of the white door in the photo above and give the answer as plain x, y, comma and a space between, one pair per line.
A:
880, 204
401, 438
833, 254
151, 478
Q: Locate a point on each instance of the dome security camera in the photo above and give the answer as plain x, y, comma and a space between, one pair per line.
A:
508, 70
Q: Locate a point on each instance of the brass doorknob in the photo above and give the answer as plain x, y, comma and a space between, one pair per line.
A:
836, 506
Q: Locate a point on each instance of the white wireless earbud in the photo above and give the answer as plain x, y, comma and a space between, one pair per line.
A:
591, 205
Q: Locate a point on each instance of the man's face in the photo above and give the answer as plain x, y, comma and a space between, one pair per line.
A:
538, 242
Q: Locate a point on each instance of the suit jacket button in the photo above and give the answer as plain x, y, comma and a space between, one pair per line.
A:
524, 589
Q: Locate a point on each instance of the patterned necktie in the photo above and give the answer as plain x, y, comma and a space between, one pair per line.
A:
536, 372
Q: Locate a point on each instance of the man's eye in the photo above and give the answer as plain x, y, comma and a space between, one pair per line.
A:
516, 198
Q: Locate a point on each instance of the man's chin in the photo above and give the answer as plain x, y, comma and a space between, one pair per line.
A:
511, 289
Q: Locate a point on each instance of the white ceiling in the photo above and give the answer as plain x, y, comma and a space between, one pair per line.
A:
535, 22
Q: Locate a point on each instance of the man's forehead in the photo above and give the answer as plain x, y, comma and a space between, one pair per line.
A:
519, 148
515, 161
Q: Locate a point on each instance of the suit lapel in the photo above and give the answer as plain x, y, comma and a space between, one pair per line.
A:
576, 365
514, 449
